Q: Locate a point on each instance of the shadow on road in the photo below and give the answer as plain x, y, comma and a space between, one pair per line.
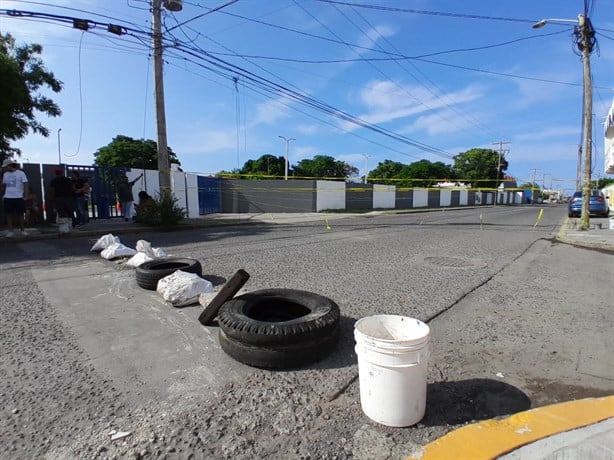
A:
469, 400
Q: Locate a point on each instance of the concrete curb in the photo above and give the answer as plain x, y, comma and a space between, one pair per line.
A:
493, 438
562, 236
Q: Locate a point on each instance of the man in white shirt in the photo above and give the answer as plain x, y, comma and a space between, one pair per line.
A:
15, 185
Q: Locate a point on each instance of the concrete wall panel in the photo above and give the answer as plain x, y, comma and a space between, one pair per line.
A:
358, 196
421, 197
330, 195
383, 196
258, 196
404, 198
445, 197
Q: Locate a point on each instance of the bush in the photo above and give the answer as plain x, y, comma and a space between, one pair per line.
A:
164, 212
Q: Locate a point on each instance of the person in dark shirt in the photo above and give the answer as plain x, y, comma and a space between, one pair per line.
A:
82, 188
62, 194
126, 198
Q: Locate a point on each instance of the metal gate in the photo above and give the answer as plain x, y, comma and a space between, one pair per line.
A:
208, 195
104, 181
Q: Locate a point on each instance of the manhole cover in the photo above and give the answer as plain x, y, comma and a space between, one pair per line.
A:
453, 262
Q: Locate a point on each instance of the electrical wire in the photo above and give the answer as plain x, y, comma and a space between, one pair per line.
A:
213, 10
400, 64
253, 79
267, 96
429, 13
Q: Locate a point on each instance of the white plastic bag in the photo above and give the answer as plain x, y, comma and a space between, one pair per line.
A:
117, 250
138, 259
145, 246
159, 252
104, 242
182, 288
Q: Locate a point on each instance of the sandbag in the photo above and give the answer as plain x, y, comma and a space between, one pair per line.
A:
104, 242
182, 288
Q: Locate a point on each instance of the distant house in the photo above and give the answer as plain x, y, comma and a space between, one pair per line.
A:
509, 182
448, 184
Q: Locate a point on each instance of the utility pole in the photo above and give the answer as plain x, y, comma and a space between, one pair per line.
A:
366, 166
501, 144
59, 148
585, 41
287, 149
586, 46
534, 187
164, 167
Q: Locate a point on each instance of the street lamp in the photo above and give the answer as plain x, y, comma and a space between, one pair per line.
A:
287, 148
586, 41
59, 148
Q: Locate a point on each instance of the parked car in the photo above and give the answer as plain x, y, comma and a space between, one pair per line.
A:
597, 204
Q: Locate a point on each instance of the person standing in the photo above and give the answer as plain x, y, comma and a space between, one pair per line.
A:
82, 189
62, 195
15, 185
126, 198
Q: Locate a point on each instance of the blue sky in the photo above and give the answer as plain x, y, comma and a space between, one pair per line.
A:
474, 74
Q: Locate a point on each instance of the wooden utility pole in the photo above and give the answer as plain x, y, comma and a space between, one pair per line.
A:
501, 144
534, 187
164, 168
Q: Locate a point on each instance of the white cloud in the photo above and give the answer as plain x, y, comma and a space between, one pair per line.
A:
387, 101
270, 112
552, 133
207, 142
370, 38
307, 129
443, 122
299, 153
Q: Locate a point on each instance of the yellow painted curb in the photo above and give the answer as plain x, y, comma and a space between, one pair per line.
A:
492, 438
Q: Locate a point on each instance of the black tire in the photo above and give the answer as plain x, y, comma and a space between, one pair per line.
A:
278, 317
280, 356
149, 273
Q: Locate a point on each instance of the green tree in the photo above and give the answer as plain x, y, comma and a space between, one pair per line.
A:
385, 170
602, 182
131, 153
427, 173
422, 173
479, 166
22, 76
324, 166
266, 165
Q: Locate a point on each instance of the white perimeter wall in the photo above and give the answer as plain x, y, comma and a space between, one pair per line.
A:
421, 198
330, 195
445, 197
463, 198
384, 196
185, 189
187, 198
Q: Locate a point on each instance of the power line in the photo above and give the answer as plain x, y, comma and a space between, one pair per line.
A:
429, 13
212, 10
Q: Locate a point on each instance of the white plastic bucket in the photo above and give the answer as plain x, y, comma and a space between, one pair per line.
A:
64, 224
392, 365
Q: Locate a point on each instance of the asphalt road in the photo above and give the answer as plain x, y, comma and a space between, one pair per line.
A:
517, 321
